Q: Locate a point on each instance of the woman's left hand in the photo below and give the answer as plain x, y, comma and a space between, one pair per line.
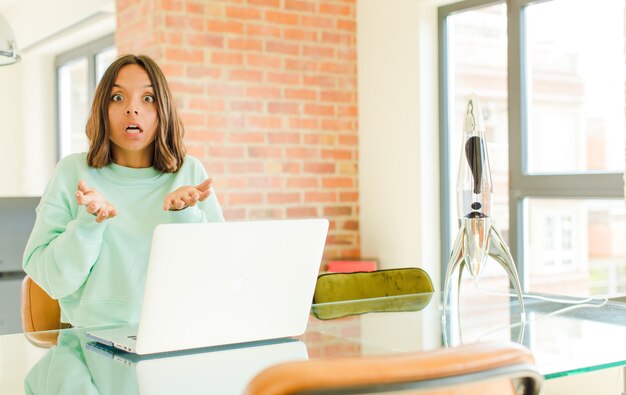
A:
187, 196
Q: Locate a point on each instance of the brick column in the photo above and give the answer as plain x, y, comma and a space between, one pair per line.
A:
267, 89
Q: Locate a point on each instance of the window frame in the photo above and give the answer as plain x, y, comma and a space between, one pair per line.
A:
522, 184
89, 51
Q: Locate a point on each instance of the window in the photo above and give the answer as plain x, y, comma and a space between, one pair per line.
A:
78, 73
553, 102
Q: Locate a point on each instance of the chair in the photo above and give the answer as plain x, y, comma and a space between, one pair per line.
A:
480, 368
39, 311
364, 292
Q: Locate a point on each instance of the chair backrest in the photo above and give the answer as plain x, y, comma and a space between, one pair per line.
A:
480, 368
39, 311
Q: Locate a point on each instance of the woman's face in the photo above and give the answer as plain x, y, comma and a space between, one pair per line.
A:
133, 117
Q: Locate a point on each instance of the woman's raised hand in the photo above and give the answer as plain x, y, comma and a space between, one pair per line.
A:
94, 202
187, 196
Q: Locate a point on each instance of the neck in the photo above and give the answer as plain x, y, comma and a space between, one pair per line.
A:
136, 160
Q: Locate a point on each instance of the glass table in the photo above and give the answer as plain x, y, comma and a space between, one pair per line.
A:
566, 339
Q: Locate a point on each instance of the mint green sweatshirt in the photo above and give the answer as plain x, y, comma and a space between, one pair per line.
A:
97, 270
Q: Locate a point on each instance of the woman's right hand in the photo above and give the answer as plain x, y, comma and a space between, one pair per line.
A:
94, 202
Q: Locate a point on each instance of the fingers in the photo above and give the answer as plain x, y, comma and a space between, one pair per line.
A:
205, 185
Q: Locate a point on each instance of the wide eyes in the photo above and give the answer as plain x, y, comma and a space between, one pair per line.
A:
119, 98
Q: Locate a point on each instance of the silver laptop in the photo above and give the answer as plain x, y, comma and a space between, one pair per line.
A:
224, 283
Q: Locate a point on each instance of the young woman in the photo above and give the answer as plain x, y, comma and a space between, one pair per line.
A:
90, 243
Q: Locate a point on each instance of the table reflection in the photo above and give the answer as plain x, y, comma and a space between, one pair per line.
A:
76, 366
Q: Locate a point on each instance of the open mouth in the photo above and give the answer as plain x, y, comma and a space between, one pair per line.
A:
133, 129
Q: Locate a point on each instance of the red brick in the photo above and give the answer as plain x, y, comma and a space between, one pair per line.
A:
265, 182
244, 198
339, 68
283, 108
341, 124
226, 152
338, 154
264, 61
321, 197
245, 44
245, 167
301, 94
351, 225
196, 72
263, 31
320, 80
203, 135
336, 9
195, 8
231, 214
204, 40
300, 65
282, 18
303, 182
171, 5
268, 3
303, 123
347, 111
347, 24
337, 96
283, 78
301, 153
265, 152
225, 90
299, 5
270, 213
284, 138
337, 182
302, 212
338, 38
264, 92
314, 167
300, 35
246, 75
243, 13
227, 58
321, 139
200, 103
224, 27
319, 52
283, 198
184, 22
246, 137
318, 22
282, 47
185, 55
246, 106
348, 140
264, 122
315, 109
348, 196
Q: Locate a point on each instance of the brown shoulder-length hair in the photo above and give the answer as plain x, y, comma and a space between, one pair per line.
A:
169, 150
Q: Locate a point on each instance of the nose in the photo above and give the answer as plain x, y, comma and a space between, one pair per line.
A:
132, 109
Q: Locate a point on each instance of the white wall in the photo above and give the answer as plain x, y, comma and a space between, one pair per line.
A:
43, 29
398, 133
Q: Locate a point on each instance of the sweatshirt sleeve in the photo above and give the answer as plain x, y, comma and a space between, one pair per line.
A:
208, 210
66, 240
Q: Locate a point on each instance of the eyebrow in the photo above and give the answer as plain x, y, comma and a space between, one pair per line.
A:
120, 86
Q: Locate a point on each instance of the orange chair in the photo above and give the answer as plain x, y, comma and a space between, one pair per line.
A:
480, 368
39, 311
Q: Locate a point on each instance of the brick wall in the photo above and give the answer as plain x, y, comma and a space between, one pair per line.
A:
267, 90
